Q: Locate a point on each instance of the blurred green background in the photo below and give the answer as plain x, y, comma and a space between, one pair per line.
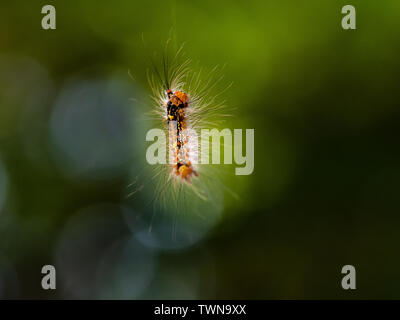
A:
325, 191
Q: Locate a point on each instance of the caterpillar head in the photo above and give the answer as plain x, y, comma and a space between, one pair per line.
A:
178, 98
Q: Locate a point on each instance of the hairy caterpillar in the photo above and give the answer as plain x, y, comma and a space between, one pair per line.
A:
184, 101
177, 103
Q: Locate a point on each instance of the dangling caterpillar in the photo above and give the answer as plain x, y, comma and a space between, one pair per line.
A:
184, 105
177, 124
185, 100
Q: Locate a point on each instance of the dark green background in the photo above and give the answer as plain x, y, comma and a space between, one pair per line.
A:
324, 105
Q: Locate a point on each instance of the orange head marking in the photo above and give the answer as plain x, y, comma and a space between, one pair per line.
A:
177, 98
182, 97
